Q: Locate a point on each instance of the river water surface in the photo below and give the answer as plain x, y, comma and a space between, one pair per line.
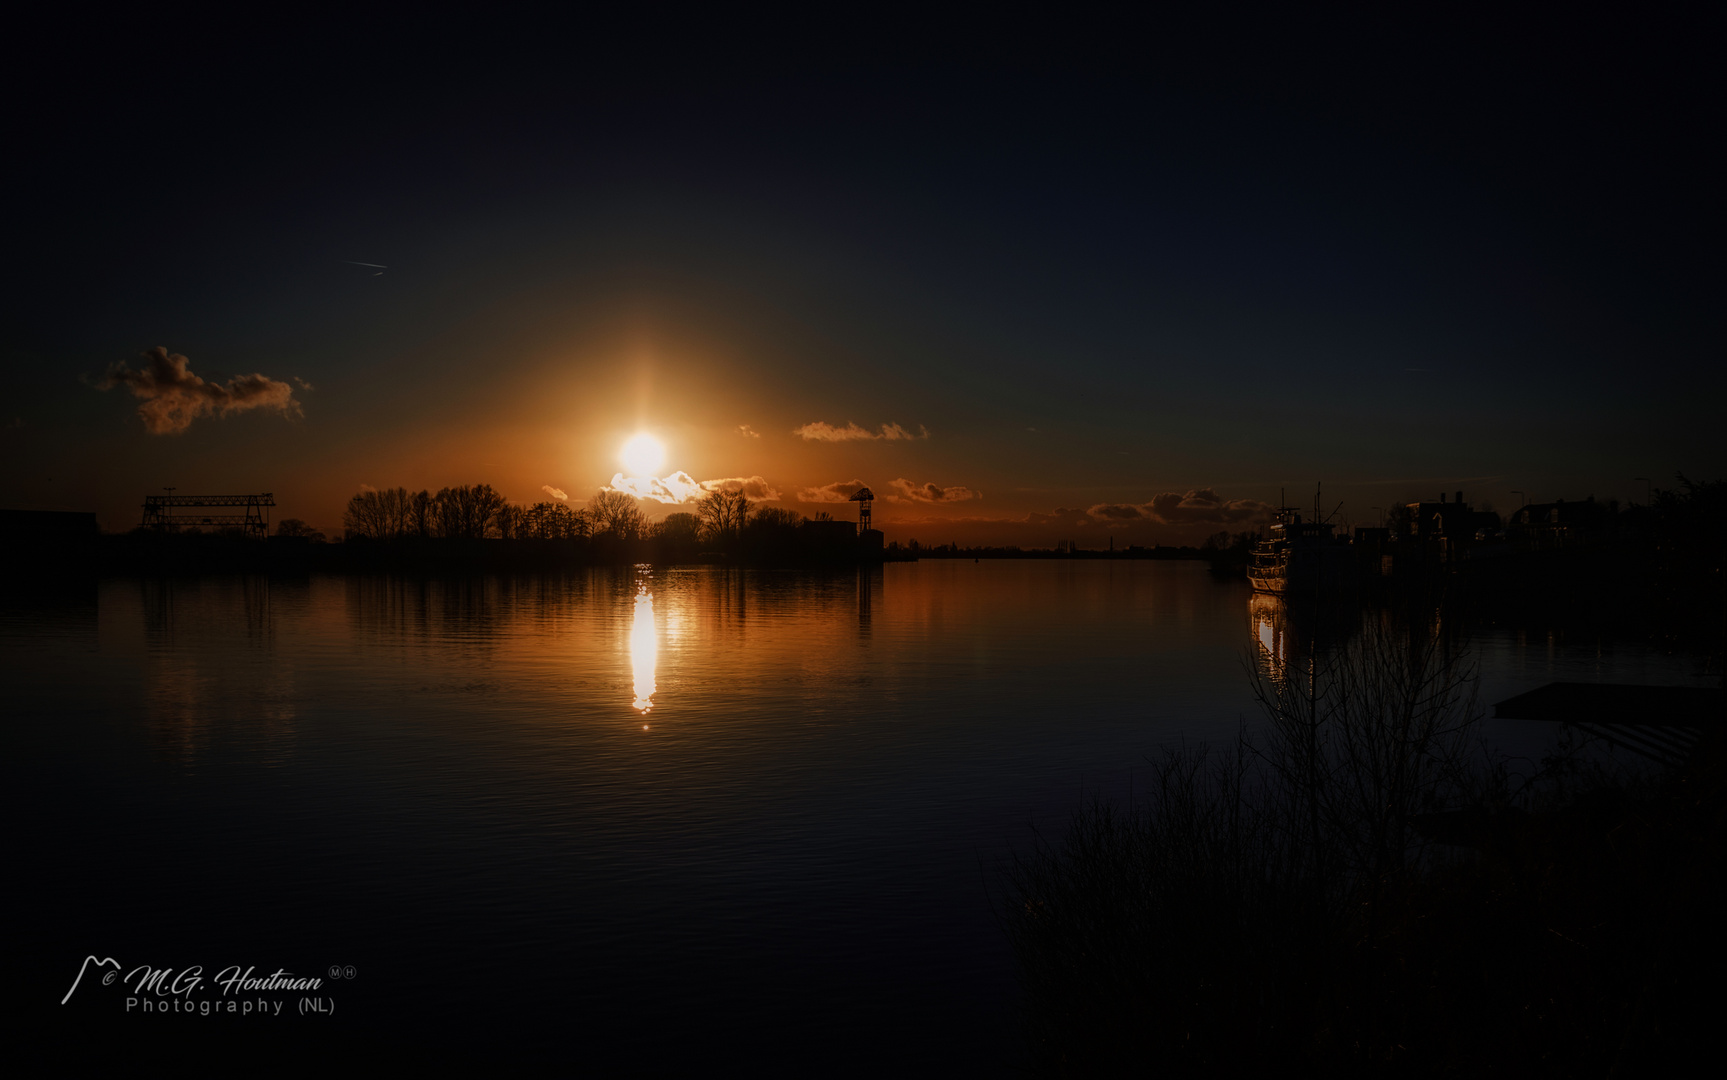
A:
635, 817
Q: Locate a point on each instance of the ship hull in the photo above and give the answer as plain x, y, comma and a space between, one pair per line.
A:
1316, 571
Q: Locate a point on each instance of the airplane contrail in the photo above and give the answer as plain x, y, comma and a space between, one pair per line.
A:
379, 266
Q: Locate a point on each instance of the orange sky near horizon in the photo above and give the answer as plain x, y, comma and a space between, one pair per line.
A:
559, 421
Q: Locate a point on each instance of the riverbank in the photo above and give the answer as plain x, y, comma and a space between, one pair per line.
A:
1360, 890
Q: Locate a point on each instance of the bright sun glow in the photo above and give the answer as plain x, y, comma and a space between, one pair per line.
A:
642, 455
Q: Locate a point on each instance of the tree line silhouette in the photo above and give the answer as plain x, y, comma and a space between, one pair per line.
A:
612, 520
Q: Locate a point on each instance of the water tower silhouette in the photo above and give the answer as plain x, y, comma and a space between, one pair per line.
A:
863, 497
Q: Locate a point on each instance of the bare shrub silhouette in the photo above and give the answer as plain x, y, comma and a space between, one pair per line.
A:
1360, 740
1218, 923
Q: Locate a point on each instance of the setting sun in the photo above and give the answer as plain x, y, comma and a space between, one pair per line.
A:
642, 455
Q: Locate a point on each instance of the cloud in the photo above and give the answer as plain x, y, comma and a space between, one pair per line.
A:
556, 493
1062, 516
1201, 506
754, 487
748, 432
931, 494
367, 487
681, 487
837, 492
173, 397
1116, 512
303, 384
822, 431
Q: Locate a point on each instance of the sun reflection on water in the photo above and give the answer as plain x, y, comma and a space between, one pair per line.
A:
644, 649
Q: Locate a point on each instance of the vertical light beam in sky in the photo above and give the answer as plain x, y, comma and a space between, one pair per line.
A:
644, 649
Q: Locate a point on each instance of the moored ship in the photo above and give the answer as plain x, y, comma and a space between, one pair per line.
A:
1300, 558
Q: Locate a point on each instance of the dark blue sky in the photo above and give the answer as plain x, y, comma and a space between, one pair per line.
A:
1097, 262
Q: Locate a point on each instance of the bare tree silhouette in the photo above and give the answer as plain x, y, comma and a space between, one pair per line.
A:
378, 515
723, 515
616, 512
296, 527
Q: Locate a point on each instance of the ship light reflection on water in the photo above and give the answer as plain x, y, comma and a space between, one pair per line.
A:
1267, 615
644, 650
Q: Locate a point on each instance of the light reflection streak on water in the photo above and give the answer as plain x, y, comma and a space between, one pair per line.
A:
1266, 613
644, 649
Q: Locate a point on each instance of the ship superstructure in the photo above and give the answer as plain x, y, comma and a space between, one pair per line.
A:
1300, 557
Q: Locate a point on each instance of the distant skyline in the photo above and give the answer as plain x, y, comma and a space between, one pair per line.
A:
1127, 282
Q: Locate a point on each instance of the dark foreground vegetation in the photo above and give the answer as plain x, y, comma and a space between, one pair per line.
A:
1360, 891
